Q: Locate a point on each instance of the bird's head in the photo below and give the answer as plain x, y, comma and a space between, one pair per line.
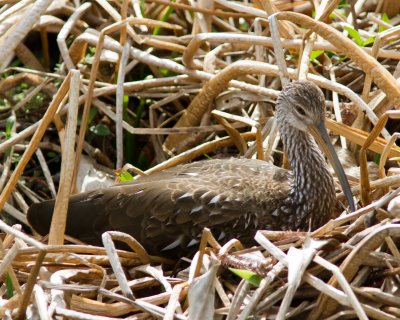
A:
301, 104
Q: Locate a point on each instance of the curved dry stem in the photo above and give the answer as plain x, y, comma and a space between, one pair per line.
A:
233, 243
233, 133
359, 137
385, 154
380, 40
204, 99
364, 178
217, 84
249, 40
59, 220
350, 266
268, 69
199, 39
368, 64
278, 50
132, 243
20, 29
28, 58
198, 151
220, 13
65, 31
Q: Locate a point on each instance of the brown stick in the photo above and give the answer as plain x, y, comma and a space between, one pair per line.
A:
58, 222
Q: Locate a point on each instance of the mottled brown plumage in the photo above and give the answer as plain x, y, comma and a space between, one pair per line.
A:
234, 198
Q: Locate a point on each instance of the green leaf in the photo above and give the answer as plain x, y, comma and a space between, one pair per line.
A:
36, 102
164, 18
315, 54
125, 100
386, 19
52, 154
124, 176
369, 41
15, 157
9, 286
100, 129
243, 25
166, 72
249, 276
395, 159
343, 4
91, 115
377, 158
142, 7
9, 125
355, 35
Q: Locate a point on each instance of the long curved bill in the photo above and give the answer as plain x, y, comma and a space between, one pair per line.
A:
321, 136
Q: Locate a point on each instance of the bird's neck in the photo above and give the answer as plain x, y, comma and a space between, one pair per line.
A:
312, 196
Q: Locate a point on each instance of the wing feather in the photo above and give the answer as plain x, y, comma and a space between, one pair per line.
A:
232, 197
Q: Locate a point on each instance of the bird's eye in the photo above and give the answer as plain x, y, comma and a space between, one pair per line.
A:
300, 110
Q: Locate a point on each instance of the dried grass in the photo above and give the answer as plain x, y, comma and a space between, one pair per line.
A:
348, 268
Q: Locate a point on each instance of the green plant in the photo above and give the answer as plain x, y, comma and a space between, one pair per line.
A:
164, 18
357, 37
247, 275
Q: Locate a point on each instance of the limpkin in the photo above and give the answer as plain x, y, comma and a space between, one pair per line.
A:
234, 198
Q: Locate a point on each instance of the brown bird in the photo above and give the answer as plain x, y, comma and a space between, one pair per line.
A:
167, 211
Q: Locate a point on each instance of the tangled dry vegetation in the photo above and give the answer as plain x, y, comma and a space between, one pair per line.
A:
144, 76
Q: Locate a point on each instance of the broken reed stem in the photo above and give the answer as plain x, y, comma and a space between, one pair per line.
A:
58, 223
26, 296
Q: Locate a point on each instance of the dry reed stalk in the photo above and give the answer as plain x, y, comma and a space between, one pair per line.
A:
58, 224
42, 126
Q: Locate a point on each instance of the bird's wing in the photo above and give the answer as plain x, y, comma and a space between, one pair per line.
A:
172, 207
